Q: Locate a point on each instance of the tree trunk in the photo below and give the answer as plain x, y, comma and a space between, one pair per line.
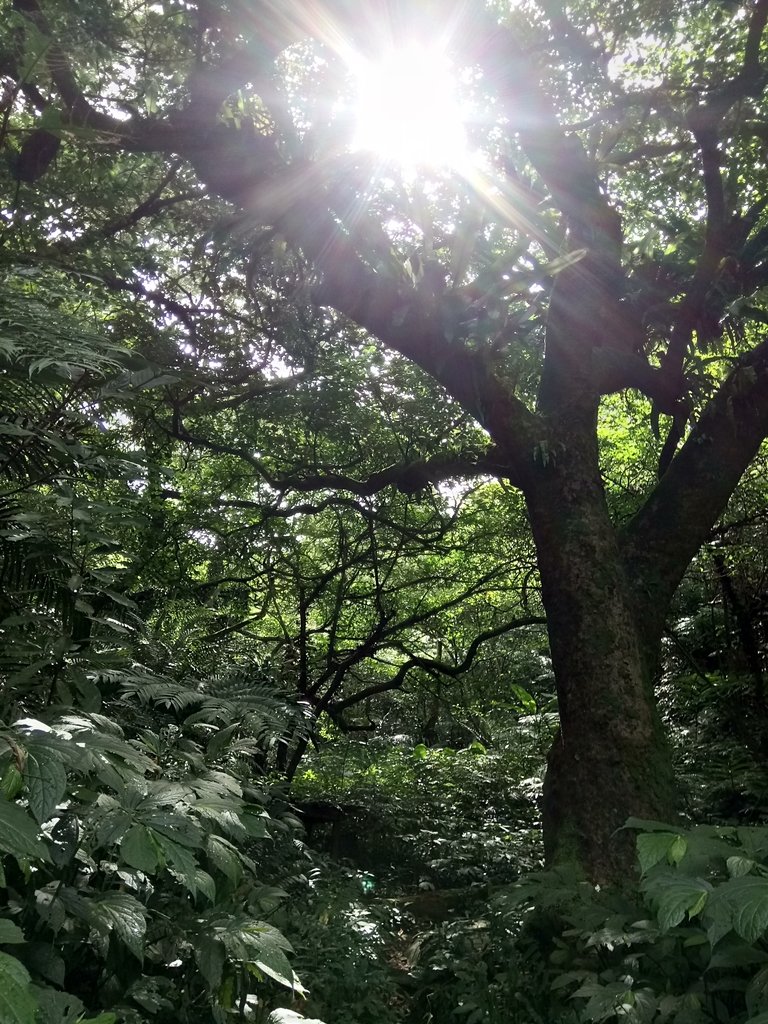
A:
610, 760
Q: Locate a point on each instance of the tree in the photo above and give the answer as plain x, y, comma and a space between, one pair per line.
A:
617, 246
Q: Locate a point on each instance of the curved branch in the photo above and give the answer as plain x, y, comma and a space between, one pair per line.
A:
63, 76
662, 538
433, 665
408, 477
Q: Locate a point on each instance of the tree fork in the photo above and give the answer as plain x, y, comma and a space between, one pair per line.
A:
610, 759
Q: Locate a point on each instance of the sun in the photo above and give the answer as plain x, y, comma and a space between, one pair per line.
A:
408, 111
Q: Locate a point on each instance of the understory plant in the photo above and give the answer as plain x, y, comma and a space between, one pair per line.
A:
127, 893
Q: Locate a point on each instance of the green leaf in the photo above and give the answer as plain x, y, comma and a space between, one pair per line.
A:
65, 840
757, 991
255, 824
748, 898
224, 858
176, 827
205, 884
46, 782
113, 912
653, 847
603, 1001
139, 850
736, 953
675, 897
263, 946
677, 850
57, 1007
111, 826
10, 933
739, 866
12, 782
527, 702
17, 1004
19, 834
44, 962
181, 862
211, 957
124, 915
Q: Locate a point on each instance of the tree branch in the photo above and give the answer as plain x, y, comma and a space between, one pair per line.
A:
63, 76
408, 478
662, 538
418, 324
434, 666
705, 123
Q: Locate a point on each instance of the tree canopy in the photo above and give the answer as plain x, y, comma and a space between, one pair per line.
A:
369, 369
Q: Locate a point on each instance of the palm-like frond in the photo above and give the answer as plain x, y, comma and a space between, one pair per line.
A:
243, 699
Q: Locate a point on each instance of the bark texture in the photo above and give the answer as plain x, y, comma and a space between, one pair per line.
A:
610, 759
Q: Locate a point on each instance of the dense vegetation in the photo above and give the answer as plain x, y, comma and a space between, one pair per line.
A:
383, 548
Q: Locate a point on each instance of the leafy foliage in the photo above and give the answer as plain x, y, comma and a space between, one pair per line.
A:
276, 419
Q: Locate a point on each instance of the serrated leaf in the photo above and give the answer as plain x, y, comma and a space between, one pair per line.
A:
17, 1004
226, 817
224, 858
260, 944
46, 782
748, 898
675, 897
205, 884
739, 866
718, 917
175, 826
181, 862
275, 965
124, 915
19, 834
603, 1000
653, 847
138, 849
256, 824
113, 912
211, 957
111, 827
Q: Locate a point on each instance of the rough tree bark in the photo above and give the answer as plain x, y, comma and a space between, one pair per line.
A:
610, 757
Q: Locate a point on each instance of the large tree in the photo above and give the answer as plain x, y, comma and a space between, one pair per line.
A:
614, 241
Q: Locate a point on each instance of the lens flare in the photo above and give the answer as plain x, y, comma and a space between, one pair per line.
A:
408, 111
